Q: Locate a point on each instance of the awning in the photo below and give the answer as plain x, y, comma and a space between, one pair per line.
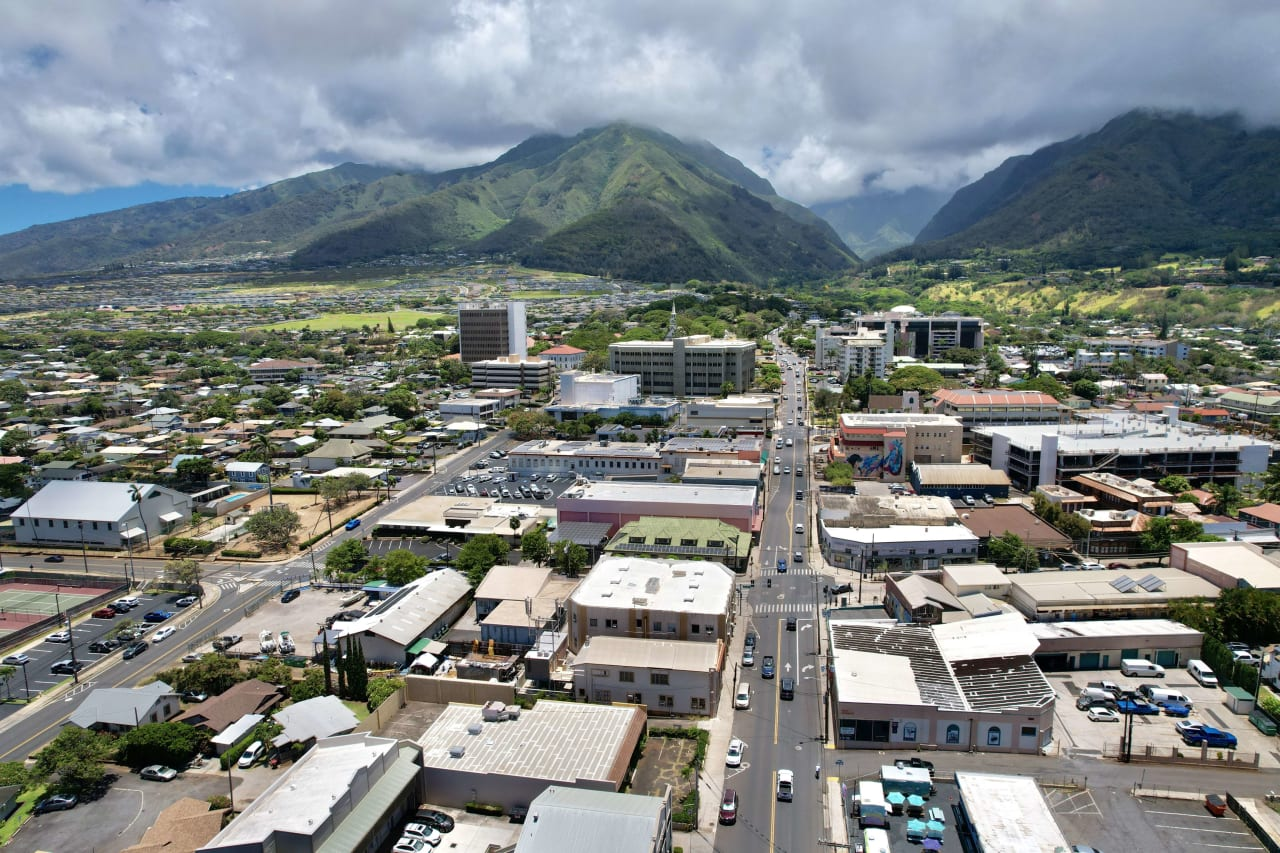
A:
132, 533
170, 517
420, 646
426, 660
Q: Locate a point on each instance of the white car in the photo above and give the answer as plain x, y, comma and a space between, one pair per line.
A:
407, 844
1103, 715
422, 832
1186, 727
734, 757
1239, 656
59, 637
163, 634
743, 700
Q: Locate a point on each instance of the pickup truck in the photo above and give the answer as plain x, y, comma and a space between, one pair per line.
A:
914, 761
225, 642
1211, 736
1137, 706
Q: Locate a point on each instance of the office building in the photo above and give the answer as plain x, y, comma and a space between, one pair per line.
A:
694, 366
486, 333
859, 353
884, 447
909, 333
513, 371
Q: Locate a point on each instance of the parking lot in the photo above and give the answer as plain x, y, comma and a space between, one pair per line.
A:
1109, 819
508, 486
1075, 731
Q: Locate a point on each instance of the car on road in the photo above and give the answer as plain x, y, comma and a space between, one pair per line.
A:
493, 454
733, 758
742, 701
20, 659
134, 649
751, 639
186, 601
104, 613
56, 803
226, 641
290, 595
791, 623
786, 785
766, 667
782, 566
67, 667
102, 647
1103, 715
749, 656
59, 637
787, 689
164, 633
798, 556
422, 832
55, 558
158, 773
729, 806
434, 819
354, 523
157, 615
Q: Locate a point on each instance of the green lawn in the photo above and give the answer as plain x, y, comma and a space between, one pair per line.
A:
360, 709
329, 322
26, 803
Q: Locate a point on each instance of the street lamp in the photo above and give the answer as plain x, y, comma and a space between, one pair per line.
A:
84, 552
71, 637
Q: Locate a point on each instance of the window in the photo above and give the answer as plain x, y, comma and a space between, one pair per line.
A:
693, 629
706, 629
611, 623
635, 698
1028, 731
909, 731
626, 676
953, 733
697, 703
602, 696
666, 701
657, 626
659, 678
592, 622
639, 623
993, 736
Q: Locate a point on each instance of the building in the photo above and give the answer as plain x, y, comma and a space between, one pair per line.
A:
976, 408
859, 353
1113, 492
346, 793
1106, 594
1126, 445
336, 452
602, 459
248, 473
1005, 813
665, 676
1227, 565
652, 599
313, 719
911, 333
102, 515
119, 709
183, 827
423, 608
276, 371
884, 446
694, 366
919, 600
486, 333
959, 480
988, 522
879, 533
477, 408
216, 713
722, 472
1128, 348
596, 820
1265, 516
968, 685
598, 389
749, 415
461, 517
513, 371
616, 503
564, 357
507, 757
675, 538
1103, 643
679, 452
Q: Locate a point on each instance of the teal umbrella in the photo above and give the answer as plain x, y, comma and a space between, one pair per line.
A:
916, 801
896, 797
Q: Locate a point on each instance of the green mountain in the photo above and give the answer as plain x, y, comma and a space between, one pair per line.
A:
621, 200
1146, 183
875, 223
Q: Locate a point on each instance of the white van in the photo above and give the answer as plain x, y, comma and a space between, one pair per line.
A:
1200, 672
743, 700
1163, 696
250, 755
1133, 666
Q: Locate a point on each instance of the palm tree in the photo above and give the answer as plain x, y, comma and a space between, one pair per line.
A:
135, 495
262, 443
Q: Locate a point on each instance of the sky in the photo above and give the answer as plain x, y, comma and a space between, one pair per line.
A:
116, 102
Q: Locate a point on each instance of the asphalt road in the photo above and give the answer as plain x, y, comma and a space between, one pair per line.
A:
781, 734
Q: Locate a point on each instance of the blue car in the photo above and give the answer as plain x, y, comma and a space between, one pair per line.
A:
1136, 706
782, 567
157, 616
1177, 709
352, 524
766, 669
1213, 737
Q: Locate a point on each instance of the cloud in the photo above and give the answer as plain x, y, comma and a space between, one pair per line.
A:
826, 98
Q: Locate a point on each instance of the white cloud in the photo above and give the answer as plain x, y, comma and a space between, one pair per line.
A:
824, 97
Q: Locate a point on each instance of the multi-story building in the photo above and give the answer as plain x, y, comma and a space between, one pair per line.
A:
861, 352
1119, 493
512, 371
1140, 347
694, 366
277, 370
619, 459
1123, 444
666, 676
874, 533
564, 357
648, 599
617, 503
916, 335
742, 414
486, 333
581, 389
982, 408
678, 452
883, 447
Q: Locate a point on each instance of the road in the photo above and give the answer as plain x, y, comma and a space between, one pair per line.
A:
24, 730
781, 734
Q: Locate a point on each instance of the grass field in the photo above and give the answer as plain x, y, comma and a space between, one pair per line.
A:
329, 322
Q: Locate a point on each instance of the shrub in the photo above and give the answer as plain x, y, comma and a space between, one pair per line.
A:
491, 809
233, 554
186, 546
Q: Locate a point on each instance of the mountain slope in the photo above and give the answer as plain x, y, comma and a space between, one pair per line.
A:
878, 222
1147, 182
620, 200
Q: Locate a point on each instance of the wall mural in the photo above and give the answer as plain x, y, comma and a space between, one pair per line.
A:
880, 463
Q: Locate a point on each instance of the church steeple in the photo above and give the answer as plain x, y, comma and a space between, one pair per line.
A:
672, 331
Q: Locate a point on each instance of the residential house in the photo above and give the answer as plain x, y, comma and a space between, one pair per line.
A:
216, 713
119, 709
313, 719
99, 514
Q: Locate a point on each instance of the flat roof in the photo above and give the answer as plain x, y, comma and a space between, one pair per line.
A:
1009, 813
1095, 588
1240, 560
555, 741
961, 474
871, 677
621, 449
897, 419
897, 534
1122, 434
975, 574
1112, 628
676, 655
678, 586
880, 511
667, 493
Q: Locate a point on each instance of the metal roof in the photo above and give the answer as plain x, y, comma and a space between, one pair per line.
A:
594, 820
85, 501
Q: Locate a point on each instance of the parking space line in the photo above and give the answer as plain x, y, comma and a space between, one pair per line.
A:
1183, 814
1198, 829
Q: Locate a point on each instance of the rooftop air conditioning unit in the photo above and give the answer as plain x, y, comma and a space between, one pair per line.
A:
457, 751
475, 728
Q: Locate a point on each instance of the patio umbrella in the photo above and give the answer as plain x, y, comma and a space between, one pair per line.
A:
895, 797
916, 801
935, 829
915, 828
932, 844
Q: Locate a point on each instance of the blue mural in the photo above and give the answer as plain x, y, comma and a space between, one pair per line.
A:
877, 463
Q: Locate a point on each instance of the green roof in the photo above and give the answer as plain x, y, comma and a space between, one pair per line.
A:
358, 827
680, 536
420, 646
1238, 693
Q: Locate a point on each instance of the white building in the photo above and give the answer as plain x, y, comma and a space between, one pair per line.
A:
104, 515
874, 533
858, 353
605, 389
420, 609
513, 371
666, 676
744, 414
597, 820
620, 459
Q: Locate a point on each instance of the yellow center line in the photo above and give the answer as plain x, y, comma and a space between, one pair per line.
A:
777, 694
773, 810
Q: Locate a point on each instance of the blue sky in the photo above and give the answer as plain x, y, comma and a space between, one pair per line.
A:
21, 207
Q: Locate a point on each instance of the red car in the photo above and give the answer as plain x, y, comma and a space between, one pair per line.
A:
729, 806
104, 613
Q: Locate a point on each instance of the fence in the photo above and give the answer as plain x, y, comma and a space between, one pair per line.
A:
1244, 811
1201, 755
441, 691
382, 714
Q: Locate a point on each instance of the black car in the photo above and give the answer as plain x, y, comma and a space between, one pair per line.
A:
290, 595
914, 761
436, 820
56, 558
67, 667
788, 689
134, 649
119, 608
103, 647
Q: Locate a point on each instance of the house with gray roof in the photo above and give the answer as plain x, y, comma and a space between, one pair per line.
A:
103, 515
312, 719
335, 452
119, 709
422, 608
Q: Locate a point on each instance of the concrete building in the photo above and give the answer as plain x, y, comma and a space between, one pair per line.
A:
665, 676
979, 408
884, 446
857, 353
596, 820
1106, 594
745, 415
278, 370
618, 503
513, 371
564, 357
959, 480
476, 408
103, 515
1113, 492
626, 460
694, 366
346, 793
877, 533
1227, 565
673, 538
722, 472
1008, 813
915, 334
599, 389
1126, 445
1140, 347
968, 685
508, 757
461, 517
679, 452
420, 609
1103, 643
486, 333
652, 599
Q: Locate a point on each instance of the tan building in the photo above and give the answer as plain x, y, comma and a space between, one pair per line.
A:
884, 447
487, 332
665, 676
1113, 492
1227, 565
1106, 594
694, 366
1103, 643
513, 371
995, 407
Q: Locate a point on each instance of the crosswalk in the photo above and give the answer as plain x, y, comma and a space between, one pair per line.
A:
782, 608
797, 570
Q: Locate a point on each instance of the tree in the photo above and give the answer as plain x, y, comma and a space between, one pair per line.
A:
197, 470
15, 773
839, 474
183, 573
534, 546
727, 387
76, 755
1009, 551
273, 528
479, 555
380, 689
311, 685
529, 424
212, 674
1270, 490
1073, 525
570, 557
347, 557
1085, 388
333, 490
402, 566
401, 402
263, 445
1161, 533
916, 377
273, 671
173, 744
1226, 498
135, 497
357, 671
1176, 484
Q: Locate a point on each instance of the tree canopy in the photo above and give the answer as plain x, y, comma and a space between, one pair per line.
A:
273, 528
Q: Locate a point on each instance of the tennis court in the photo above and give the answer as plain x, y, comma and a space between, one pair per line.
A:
24, 603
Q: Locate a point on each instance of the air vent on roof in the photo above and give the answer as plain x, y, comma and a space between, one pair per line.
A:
607, 594
475, 728
640, 601
457, 751
651, 586
1124, 583
678, 573
1151, 583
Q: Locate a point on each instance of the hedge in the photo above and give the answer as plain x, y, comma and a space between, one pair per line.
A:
292, 490
484, 808
185, 545
243, 555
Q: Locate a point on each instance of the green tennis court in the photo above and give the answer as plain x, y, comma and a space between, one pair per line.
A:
24, 603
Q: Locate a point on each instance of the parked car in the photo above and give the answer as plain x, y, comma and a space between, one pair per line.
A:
193, 696
157, 615
164, 633
251, 755
1182, 727
290, 595
409, 845
55, 558
742, 701
435, 819
226, 641
20, 659
729, 806
1103, 715
194, 657
102, 647
104, 613
766, 668
129, 601
422, 832
158, 773
915, 761
67, 667
186, 601
1176, 709
733, 758
1245, 656
59, 637
56, 803
1211, 736
1137, 706
749, 656
1238, 647
134, 649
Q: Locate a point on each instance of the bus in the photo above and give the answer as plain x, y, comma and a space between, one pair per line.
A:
872, 810
875, 840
